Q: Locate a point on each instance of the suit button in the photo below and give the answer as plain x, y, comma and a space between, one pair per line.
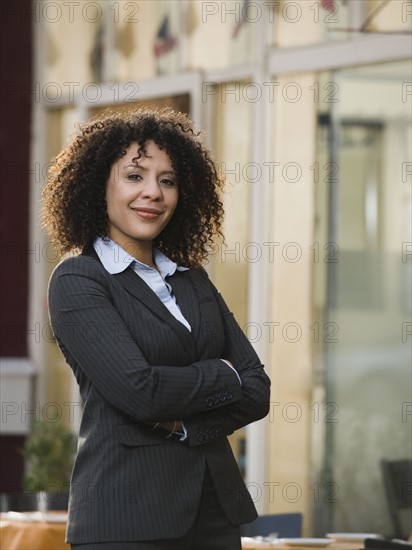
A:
223, 396
209, 402
200, 436
216, 400
229, 395
206, 436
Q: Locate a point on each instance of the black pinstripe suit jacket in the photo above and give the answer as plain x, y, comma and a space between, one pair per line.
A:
136, 365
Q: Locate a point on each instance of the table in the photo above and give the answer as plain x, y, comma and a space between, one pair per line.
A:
23, 534
333, 546
18, 534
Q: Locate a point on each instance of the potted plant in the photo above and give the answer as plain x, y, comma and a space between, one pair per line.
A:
50, 451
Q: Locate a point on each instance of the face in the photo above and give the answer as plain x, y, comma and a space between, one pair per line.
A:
141, 197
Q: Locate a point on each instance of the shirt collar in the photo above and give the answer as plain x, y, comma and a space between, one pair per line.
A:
115, 259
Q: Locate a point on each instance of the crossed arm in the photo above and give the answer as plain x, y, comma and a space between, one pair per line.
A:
80, 302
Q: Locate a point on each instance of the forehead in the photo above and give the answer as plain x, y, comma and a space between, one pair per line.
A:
141, 154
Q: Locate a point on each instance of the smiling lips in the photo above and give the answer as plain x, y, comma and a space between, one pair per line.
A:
147, 213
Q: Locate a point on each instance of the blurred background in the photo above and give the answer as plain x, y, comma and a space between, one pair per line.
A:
307, 109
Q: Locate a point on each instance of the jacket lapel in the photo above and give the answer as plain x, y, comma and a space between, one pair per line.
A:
135, 286
186, 299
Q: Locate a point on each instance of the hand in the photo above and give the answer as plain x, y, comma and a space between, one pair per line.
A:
175, 426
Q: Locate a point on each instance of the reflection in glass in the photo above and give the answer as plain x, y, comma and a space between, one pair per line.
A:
363, 209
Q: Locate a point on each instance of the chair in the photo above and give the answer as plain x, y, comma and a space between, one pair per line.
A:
285, 525
397, 481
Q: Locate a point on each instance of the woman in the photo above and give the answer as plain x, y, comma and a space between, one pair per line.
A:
164, 370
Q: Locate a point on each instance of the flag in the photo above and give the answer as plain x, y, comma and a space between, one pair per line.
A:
242, 20
330, 5
165, 41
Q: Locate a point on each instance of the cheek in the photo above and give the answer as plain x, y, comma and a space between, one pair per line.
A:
175, 199
112, 200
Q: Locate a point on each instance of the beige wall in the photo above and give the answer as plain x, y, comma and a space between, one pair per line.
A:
290, 353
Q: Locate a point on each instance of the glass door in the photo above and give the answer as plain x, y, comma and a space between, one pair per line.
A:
362, 296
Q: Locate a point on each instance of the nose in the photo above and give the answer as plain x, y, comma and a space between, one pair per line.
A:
151, 189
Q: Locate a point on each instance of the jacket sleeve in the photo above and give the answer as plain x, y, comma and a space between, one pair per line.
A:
83, 318
255, 401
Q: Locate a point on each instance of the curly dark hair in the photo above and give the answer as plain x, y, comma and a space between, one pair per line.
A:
74, 209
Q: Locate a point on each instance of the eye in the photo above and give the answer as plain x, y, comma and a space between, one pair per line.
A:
167, 182
134, 177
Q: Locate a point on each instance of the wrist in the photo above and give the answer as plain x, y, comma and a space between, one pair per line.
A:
173, 430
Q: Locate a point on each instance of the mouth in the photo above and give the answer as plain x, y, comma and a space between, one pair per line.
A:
147, 213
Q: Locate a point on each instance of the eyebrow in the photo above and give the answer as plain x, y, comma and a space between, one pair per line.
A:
144, 169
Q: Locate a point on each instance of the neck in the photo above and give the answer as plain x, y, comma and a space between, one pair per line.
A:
142, 250
144, 256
